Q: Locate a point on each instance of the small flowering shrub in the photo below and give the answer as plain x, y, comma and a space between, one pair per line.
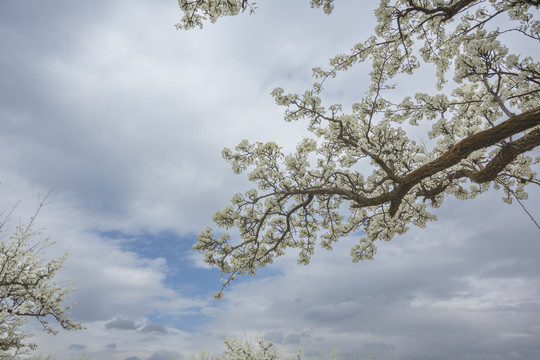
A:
27, 289
262, 350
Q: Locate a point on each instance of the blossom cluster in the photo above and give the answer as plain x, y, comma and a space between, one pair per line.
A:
361, 171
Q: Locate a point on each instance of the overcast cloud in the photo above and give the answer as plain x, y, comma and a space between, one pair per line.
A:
125, 118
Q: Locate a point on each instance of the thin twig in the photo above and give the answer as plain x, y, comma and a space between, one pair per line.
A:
520, 203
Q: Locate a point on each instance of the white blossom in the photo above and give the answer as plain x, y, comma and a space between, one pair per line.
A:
361, 171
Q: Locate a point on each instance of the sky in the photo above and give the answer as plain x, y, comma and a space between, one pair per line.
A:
124, 118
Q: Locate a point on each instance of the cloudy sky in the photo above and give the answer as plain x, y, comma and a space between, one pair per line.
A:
125, 118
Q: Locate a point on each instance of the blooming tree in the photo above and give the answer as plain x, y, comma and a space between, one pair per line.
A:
238, 349
361, 170
27, 289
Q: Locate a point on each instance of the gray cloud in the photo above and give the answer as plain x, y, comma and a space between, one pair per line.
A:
279, 337
274, 336
77, 347
293, 339
133, 358
438, 293
154, 328
111, 346
165, 355
121, 324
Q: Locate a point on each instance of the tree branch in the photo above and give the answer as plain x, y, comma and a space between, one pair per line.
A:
505, 156
464, 148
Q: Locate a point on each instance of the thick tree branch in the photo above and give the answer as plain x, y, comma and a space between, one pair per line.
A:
446, 11
453, 156
505, 156
464, 148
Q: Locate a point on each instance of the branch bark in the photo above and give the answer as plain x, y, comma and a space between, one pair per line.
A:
505, 156
465, 147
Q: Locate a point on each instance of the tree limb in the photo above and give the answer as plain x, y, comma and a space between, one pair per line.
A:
464, 148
